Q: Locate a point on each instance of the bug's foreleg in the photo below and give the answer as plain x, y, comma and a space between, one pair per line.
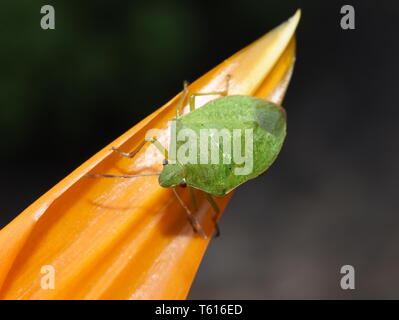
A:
191, 218
182, 98
129, 154
193, 198
153, 140
225, 92
215, 217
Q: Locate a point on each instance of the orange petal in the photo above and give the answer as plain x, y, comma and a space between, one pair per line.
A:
129, 239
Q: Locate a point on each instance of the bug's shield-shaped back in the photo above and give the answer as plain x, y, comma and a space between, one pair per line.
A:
225, 143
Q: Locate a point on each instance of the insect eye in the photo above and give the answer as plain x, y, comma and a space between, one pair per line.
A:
165, 162
183, 184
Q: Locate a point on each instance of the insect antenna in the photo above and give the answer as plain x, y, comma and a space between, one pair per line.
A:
124, 176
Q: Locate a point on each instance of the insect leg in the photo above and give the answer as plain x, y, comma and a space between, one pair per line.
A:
129, 154
222, 93
153, 140
193, 198
215, 207
182, 98
193, 219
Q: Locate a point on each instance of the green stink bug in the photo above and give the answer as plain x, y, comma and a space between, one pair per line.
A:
207, 146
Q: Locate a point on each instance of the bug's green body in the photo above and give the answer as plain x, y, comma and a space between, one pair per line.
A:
243, 136
265, 119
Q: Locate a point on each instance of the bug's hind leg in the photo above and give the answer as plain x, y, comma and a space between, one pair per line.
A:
225, 92
215, 217
191, 218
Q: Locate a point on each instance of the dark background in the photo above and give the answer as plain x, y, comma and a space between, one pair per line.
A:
331, 198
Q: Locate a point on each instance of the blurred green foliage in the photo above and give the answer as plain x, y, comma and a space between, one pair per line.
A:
99, 56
